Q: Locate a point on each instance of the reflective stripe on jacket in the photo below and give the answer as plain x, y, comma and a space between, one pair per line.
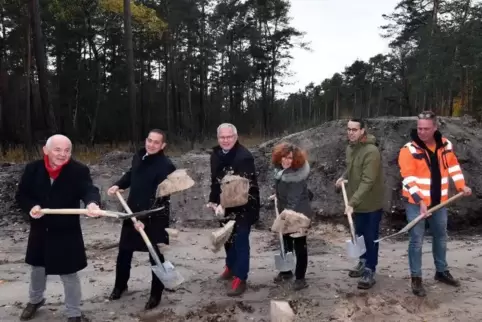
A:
414, 166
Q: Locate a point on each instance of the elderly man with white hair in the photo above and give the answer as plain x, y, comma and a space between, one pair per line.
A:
233, 158
55, 244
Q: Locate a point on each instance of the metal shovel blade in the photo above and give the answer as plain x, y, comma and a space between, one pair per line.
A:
285, 263
357, 249
137, 214
168, 275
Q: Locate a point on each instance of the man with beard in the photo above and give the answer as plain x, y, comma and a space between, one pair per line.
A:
55, 243
150, 166
365, 196
426, 163
230, 157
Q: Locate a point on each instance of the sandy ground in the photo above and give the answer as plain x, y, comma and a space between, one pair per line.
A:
332, 295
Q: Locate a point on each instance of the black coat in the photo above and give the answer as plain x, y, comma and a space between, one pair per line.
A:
55, 241
145, 174
240, 161
292, 190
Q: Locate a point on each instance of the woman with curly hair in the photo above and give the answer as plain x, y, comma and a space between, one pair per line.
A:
291, 173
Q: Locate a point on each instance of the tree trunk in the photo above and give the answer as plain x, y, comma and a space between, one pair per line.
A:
41, 60
75, 108
131, 86
167, 81
192, 129
264, 106
142, 88
3, 84
28, 117
326, 111
369, 106
98, 91
202, 73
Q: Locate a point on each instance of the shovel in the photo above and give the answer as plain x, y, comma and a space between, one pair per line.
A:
411, 224
284, 262
356, 246
164, 271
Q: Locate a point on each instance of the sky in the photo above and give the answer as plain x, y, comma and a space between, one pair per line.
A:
340, 31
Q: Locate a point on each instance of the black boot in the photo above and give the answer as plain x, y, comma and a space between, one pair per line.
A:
299, 284
152, 302
29, 311
417, 287
283, 276
122, 273
81, 318
117, 293
157, 287
447, 278
76, 319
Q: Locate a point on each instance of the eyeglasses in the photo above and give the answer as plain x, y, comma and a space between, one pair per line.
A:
426, 115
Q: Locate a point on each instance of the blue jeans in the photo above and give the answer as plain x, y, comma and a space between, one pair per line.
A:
438, 226
367, 224
237, 251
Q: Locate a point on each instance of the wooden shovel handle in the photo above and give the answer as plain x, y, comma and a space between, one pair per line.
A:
141, 231
411, 224
350, 219
343, 189
74, 211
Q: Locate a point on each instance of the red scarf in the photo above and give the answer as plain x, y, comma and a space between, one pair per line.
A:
53, 173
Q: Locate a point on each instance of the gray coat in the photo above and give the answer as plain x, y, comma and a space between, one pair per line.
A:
292, 189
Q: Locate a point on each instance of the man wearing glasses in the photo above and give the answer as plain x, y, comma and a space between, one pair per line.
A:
365, 196
232, 157
426, 163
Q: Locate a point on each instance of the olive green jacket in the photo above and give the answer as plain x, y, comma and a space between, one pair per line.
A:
365, 187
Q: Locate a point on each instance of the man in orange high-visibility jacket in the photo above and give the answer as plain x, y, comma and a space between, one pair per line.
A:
426, 163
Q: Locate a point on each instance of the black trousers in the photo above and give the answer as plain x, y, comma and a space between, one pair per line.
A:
301, 251
123, 269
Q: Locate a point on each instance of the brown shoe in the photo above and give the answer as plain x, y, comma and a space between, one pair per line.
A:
30, 310
447, 278
417, 287
238, 287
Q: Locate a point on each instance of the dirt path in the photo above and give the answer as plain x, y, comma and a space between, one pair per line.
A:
332, 296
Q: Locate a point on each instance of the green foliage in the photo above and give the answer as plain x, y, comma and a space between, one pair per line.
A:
69, 10
141, 14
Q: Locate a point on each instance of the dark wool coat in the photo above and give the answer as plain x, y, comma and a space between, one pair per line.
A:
292, 190
55, 241
145, 174
241, 162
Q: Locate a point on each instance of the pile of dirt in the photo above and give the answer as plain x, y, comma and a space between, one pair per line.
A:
326, 148
9, 176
